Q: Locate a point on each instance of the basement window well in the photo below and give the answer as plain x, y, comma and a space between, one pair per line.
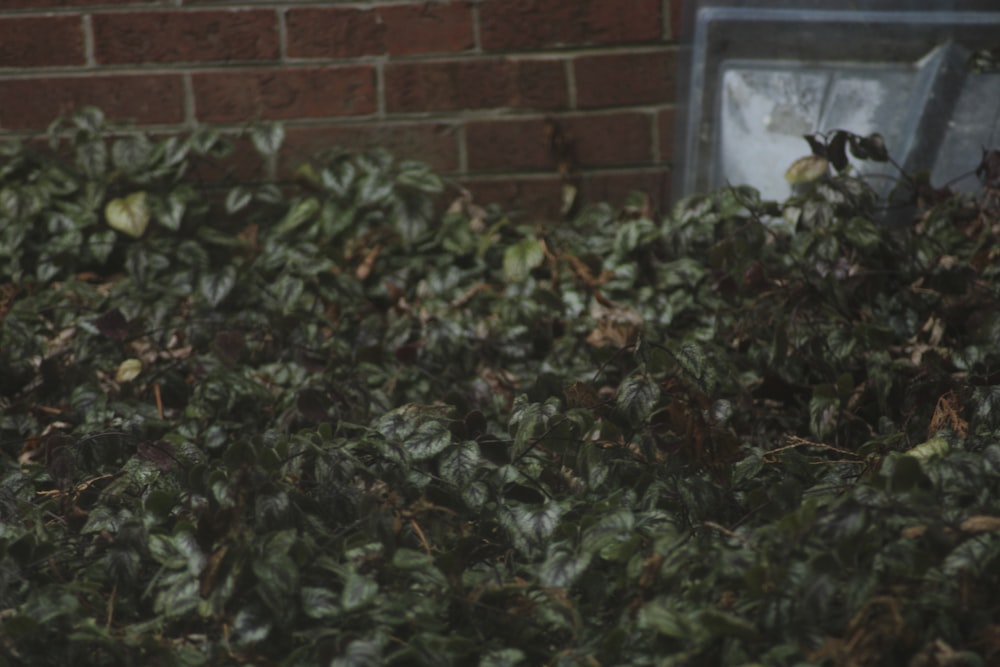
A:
924, 75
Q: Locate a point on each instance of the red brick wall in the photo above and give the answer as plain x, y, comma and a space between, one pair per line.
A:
502, 95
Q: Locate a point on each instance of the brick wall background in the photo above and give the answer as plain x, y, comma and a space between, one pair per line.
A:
508, 97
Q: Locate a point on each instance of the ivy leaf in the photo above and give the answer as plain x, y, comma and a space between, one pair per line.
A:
359, 591
132, 152
319, 603
339, 178
459, 463
504, 657
862, 233
267, 137
238, 198
637, 397
128, 370
171, 212
824, 409
428, 439
92, 158
215, 287
101, 244
563, 567
129, 215
300, 212
806, 170
521, 258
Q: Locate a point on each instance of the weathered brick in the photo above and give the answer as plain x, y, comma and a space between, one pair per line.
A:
600, 140
334, 32
526, 198
614, 187
433, 143
39, 4
313, 92
185, 36
424, 27
340, 32
30, 104
611, 139
677, 28
624, 79
531, 24
475, 84
508, 145
667, 119
41, 41
243, 165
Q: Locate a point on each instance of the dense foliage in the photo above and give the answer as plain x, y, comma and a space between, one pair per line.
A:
321, 424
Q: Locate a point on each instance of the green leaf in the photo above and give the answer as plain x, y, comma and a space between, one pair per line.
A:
277, 579
607, 530
320, 603
171, 212
215, 287
238, 198
637, 397
504, 657
267, 137
459, 463
563, 567
359, 591
131, 152
862, 233
360, 653
725, 624
92, 159
339, 178
300, 212
428, 439
129, 215
417, 176
658, 616
824, 409
101, 244
806, 170
521, 258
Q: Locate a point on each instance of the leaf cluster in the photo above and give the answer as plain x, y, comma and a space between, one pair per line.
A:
322, 423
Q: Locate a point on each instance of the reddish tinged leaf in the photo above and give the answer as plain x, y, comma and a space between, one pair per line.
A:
158, 452
113, 324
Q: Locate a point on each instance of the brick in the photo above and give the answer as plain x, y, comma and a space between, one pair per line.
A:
39, 4
475, 84
243, 165
615, 187
41, 41
330, 32
625, 79
508, 145
611, 139
433, 143
148, 99
532, 24
667, 121
677, 27
235, 96
601, 140
527, 198
185, 36
428, 28
334, 32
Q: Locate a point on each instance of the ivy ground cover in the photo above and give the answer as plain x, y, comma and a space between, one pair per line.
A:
326, 423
